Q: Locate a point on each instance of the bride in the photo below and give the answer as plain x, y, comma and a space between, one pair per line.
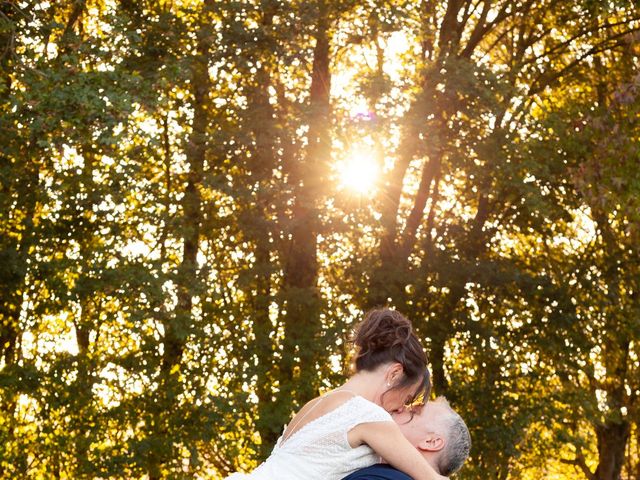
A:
350, 427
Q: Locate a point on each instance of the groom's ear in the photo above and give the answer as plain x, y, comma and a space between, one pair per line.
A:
432, 442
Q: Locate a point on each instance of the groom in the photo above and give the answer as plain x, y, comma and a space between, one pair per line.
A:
438, 433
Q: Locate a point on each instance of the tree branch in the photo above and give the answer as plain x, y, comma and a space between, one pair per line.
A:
429, 170
540, 82
580, 462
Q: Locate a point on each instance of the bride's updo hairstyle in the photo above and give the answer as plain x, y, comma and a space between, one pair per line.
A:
386, 336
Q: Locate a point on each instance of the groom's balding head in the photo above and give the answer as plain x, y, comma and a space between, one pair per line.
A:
439, 433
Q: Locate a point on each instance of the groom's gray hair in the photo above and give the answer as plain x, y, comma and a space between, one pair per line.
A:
458, 442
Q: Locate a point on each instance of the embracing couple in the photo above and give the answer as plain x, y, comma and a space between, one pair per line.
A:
370, 428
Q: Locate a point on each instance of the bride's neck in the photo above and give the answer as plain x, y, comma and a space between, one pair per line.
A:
365, 384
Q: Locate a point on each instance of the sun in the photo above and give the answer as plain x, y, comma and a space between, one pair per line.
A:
359, 172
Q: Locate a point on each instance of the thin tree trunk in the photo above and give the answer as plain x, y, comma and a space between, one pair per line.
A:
85, 325
425, 191
177, 328
637, 453
83, 387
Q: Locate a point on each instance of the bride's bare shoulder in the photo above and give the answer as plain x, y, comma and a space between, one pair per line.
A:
327, 401
317, 408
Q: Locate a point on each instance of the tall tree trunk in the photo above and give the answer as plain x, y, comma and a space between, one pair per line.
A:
612, 442
15, 255
614, 432
262, 166
177, 329
14, 251
300, 290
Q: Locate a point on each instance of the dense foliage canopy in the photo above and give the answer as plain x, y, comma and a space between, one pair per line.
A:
198, 199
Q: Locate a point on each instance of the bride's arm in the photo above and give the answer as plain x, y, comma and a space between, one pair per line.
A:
388, 441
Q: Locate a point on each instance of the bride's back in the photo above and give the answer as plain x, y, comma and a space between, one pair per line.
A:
315, 409
319, 449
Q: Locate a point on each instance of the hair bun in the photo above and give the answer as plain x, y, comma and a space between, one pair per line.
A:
382, 329
386, 336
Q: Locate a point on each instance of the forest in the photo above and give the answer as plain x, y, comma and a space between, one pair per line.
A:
199, 199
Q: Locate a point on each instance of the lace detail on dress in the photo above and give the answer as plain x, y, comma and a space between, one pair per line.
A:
320, 450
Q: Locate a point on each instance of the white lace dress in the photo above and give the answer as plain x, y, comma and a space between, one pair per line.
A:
320, 450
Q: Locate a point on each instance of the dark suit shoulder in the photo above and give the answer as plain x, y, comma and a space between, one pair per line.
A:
380, 471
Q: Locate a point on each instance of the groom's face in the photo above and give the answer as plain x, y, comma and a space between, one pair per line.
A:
422, 422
